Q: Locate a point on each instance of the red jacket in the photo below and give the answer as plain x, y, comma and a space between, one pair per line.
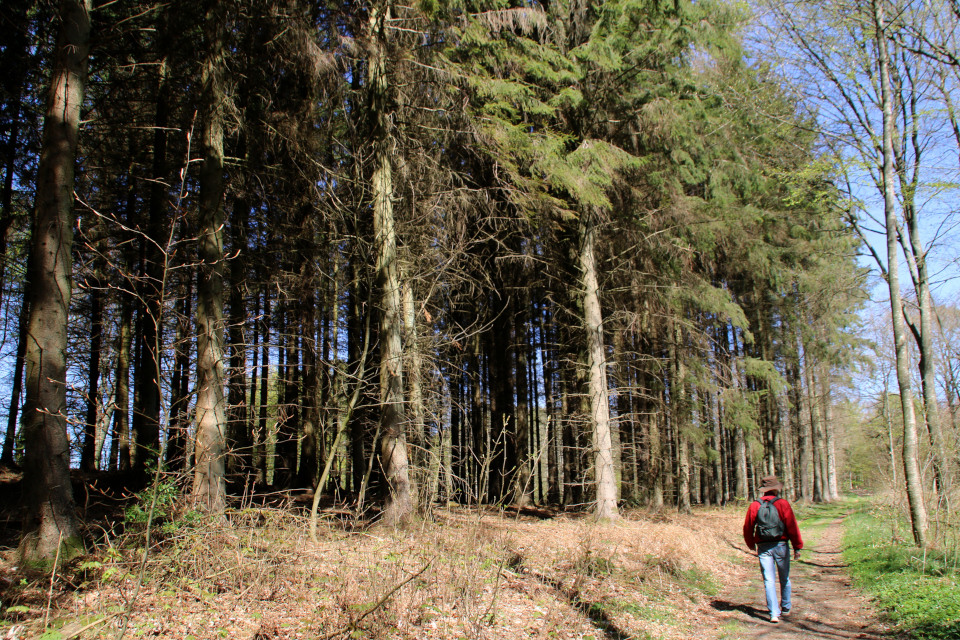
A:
786, 516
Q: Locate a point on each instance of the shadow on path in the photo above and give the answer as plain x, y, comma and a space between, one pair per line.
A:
750, 610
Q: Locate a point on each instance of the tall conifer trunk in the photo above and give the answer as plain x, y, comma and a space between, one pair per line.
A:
120, 447
146, 415
414, 384
49, 524
598, 401
209, 485
239, 416
308, 472
680, 405
88, 458
523, 493
804, 457
9, 440
393, 443
829, 438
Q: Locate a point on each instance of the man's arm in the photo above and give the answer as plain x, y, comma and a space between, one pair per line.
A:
748, 525
790, 521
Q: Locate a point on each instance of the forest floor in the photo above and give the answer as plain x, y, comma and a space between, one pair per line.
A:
257, 575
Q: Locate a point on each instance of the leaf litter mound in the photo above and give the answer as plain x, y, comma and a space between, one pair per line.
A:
461, 574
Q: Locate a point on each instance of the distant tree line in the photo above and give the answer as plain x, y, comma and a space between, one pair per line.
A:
564, 253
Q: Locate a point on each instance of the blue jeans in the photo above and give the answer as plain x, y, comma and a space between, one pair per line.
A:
774, 559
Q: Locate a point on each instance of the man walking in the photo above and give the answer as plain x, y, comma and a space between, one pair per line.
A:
769, 525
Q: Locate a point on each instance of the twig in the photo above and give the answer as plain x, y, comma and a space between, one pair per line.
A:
74, 634
353, 625
156, 476
341, 429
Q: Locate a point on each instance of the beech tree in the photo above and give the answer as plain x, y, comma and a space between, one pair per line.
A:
880, 102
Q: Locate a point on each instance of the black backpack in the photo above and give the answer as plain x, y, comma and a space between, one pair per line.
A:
769, 526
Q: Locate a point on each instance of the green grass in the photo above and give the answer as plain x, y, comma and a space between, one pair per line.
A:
919, 592
731, 630
700, 580
817, 517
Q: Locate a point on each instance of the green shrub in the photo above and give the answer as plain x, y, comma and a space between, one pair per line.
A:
166, 520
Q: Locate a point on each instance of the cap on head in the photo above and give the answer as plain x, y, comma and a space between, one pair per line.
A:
770, 483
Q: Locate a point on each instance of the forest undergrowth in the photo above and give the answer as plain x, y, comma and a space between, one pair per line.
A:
460, 573
919, 590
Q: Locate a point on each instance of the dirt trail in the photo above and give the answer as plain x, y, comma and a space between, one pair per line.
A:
825, 605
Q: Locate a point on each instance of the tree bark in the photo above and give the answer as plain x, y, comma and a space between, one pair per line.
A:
209, 482
599, 404
121, 424
49, 524
803, 426
918, 513
146, 414
679, 405
829, 438
414, 384
399, 505
239, 414
88, 460
9, 441
179, 422
309, 469
523, 495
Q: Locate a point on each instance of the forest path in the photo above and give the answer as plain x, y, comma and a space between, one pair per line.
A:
825, 604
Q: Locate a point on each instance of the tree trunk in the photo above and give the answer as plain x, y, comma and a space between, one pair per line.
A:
655, 447
813, 406
308, 473
121, 424
829, 439
399, 506
553, 444
176, 453
358, 294
146, 414
890, 441
88, 460
9, 441
262, 436
523, 478
720, 497
49, 524
288, 397
239, 416
209, 482
918, 513
598, 400
679, 402
414, 385
916, 258
803, 427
